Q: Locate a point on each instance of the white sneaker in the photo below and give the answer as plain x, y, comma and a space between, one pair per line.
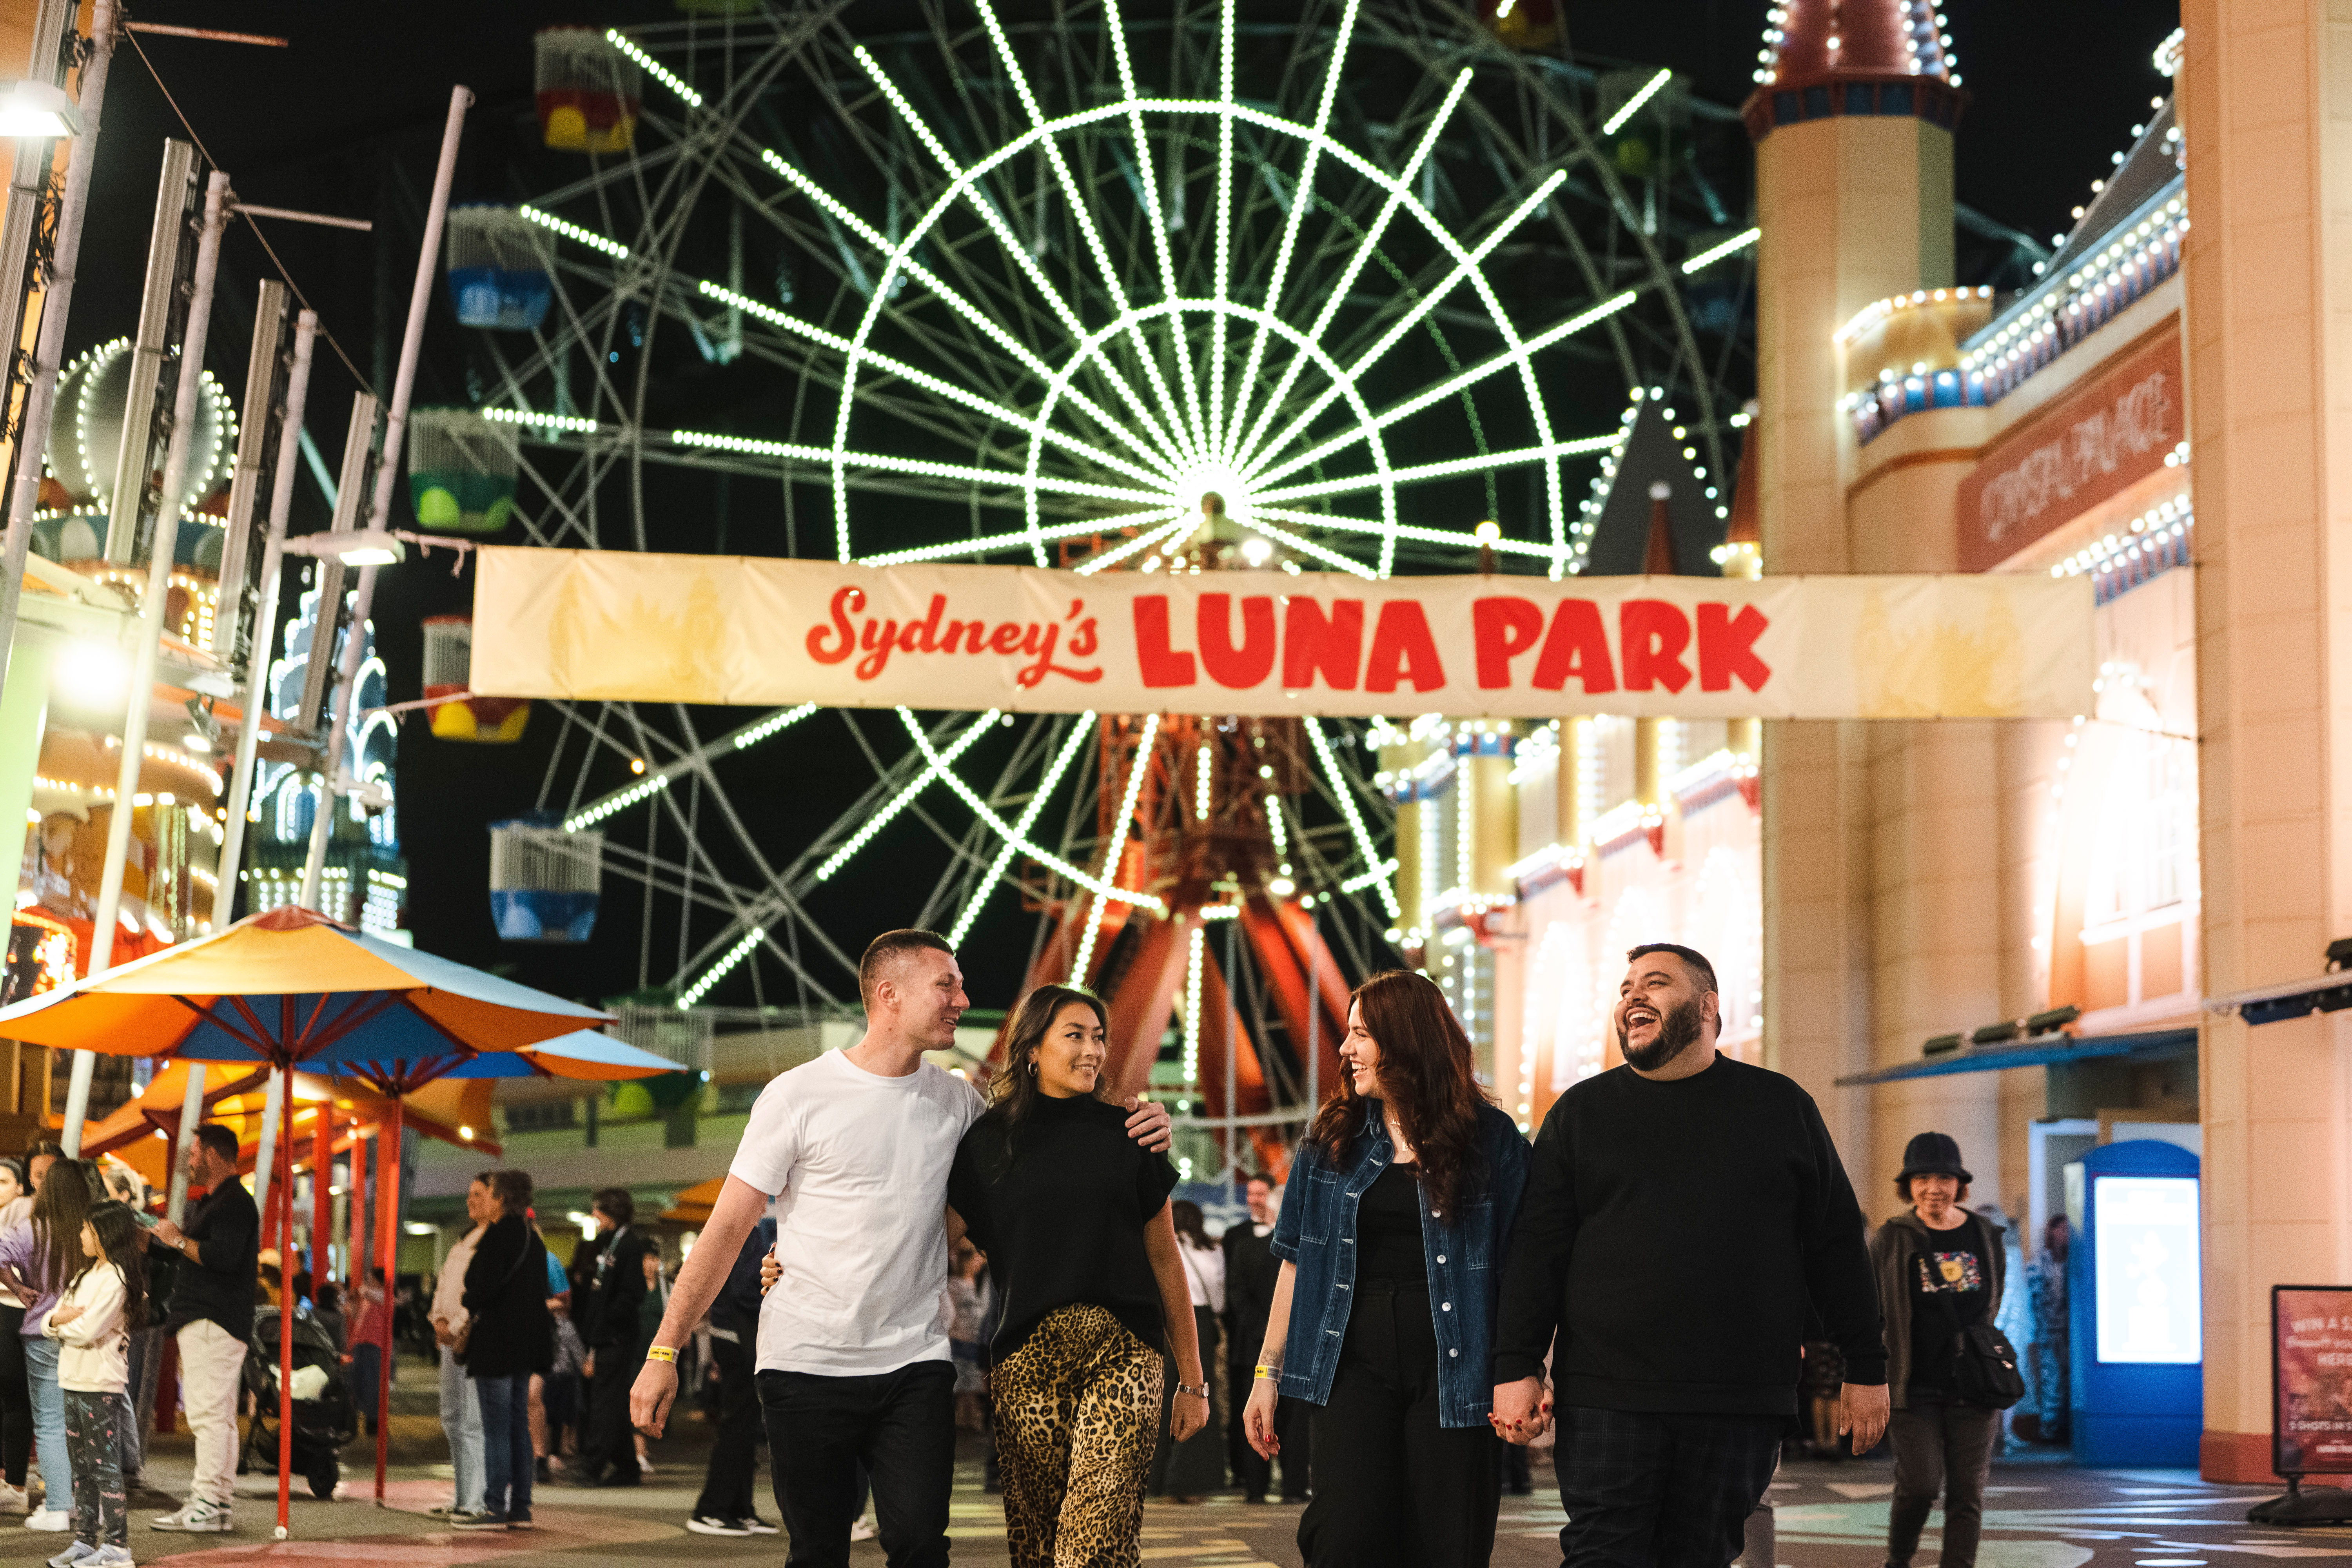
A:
74, 1552
49, 1518
864, 1530
109, 1557
645, 1464
15, 1499
195, 1517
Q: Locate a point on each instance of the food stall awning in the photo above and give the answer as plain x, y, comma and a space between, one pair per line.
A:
2040, 1050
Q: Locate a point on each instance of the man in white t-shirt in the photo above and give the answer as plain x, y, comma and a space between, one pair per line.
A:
461, 1404
853, 1362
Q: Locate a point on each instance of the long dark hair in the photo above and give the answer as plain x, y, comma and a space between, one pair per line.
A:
66, 1196
1192, 1225
1013, 1091
1429, 1076
126, 1248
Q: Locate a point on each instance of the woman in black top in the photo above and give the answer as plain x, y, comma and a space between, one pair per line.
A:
1939, 1272
508, 1336
1081, 1250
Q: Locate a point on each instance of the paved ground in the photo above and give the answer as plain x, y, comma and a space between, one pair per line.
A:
2042, 1515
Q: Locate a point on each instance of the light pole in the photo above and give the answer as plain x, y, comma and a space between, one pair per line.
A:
49, 350
142, 685
378, 548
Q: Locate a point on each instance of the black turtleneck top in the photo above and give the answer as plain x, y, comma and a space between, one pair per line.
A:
1058, 1203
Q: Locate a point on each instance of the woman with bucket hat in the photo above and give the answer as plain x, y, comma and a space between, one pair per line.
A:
1939, 1272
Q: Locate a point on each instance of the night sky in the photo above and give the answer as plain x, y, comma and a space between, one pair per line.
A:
347, 122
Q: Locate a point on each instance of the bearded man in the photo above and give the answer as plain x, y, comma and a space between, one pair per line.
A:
1683, 1213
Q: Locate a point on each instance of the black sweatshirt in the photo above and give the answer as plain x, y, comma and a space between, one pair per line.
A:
1675, 1234
1059, 1204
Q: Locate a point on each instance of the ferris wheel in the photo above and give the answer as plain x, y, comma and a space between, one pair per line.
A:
1037, 284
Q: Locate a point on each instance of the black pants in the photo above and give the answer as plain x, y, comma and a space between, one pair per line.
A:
16, 1399
611, 1444
735, 1451
1392, 1488
1944, 1448
1292, 1422
900, 1426
1646, 1491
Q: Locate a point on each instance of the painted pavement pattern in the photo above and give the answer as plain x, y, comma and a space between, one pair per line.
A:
2039, 1515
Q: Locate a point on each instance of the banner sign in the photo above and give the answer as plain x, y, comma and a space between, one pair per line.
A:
2311, 1366
2092, 444
615, 625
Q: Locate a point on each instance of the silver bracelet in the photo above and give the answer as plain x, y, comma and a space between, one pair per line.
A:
1200, 1393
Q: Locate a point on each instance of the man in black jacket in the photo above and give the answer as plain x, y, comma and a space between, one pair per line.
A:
609, 1458
219, 1248
725, 1507
1681, 1211
1251, 1271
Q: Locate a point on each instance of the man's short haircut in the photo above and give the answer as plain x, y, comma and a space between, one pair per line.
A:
616, 1203
1257, 1177
217, 1138
1693, 960
886, 949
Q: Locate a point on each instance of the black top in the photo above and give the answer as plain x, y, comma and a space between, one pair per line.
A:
1946, 1293
506, 1292
1251, 1272
217, 1285
1387, 1229
618, 1285
1060, 1207
1675, 1234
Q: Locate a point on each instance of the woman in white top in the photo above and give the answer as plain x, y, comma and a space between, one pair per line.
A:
1190, 1470
92, 1323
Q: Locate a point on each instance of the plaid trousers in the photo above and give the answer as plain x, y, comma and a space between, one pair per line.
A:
1651, 1490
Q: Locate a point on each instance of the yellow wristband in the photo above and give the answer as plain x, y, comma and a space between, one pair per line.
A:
661, 1352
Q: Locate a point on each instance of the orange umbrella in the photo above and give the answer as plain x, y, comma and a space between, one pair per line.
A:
693, 1206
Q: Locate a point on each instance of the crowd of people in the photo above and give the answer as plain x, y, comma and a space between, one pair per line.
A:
1658, 1287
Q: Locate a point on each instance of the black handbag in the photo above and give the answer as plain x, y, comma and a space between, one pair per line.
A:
1984, 1369
1984, 1364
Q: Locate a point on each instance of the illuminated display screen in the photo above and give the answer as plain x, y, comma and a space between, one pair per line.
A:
2149, 1306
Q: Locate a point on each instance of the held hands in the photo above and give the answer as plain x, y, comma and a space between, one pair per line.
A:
770, 1272
1522, 1411
1862, 1410
1148, 1125
1257, 1418
651, 1396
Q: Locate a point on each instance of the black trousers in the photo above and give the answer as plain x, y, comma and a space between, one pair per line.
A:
900, 1426
611, 1444
1392, 1488
16, 1399
1649, 1491
735, 1450
1292, 1422
1947, 1449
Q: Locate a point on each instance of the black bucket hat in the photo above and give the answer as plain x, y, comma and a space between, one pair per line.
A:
1933, 1155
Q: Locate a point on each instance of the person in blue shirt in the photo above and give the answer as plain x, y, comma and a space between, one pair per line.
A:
1390, 1237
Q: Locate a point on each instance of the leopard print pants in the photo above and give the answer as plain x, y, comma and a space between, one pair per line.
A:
1077, 1412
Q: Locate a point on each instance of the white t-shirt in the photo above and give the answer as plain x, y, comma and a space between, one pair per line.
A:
862, 1163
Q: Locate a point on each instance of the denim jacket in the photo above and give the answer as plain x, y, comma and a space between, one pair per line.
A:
1463, 1252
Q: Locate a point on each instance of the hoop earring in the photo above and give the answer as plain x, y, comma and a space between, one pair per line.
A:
1033, 1066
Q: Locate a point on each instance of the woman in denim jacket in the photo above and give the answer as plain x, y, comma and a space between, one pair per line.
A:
1391, 1236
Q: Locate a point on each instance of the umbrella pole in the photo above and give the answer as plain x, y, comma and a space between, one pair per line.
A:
285, 1196
387, 1229
323, 1199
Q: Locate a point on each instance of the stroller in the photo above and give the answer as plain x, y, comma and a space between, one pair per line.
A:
324, 1416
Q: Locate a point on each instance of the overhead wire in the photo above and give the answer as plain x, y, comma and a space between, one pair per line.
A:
285, 274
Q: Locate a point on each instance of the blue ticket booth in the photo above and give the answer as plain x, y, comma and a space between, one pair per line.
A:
2136, 1305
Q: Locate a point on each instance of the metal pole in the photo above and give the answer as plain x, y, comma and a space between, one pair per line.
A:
141, 684
192, 1116
282, 1093
1313, 1008
264, 365
265, 631
323, 1199
34, 159
148, 349
387, 473
265, 1162
387, 1226
48, 352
